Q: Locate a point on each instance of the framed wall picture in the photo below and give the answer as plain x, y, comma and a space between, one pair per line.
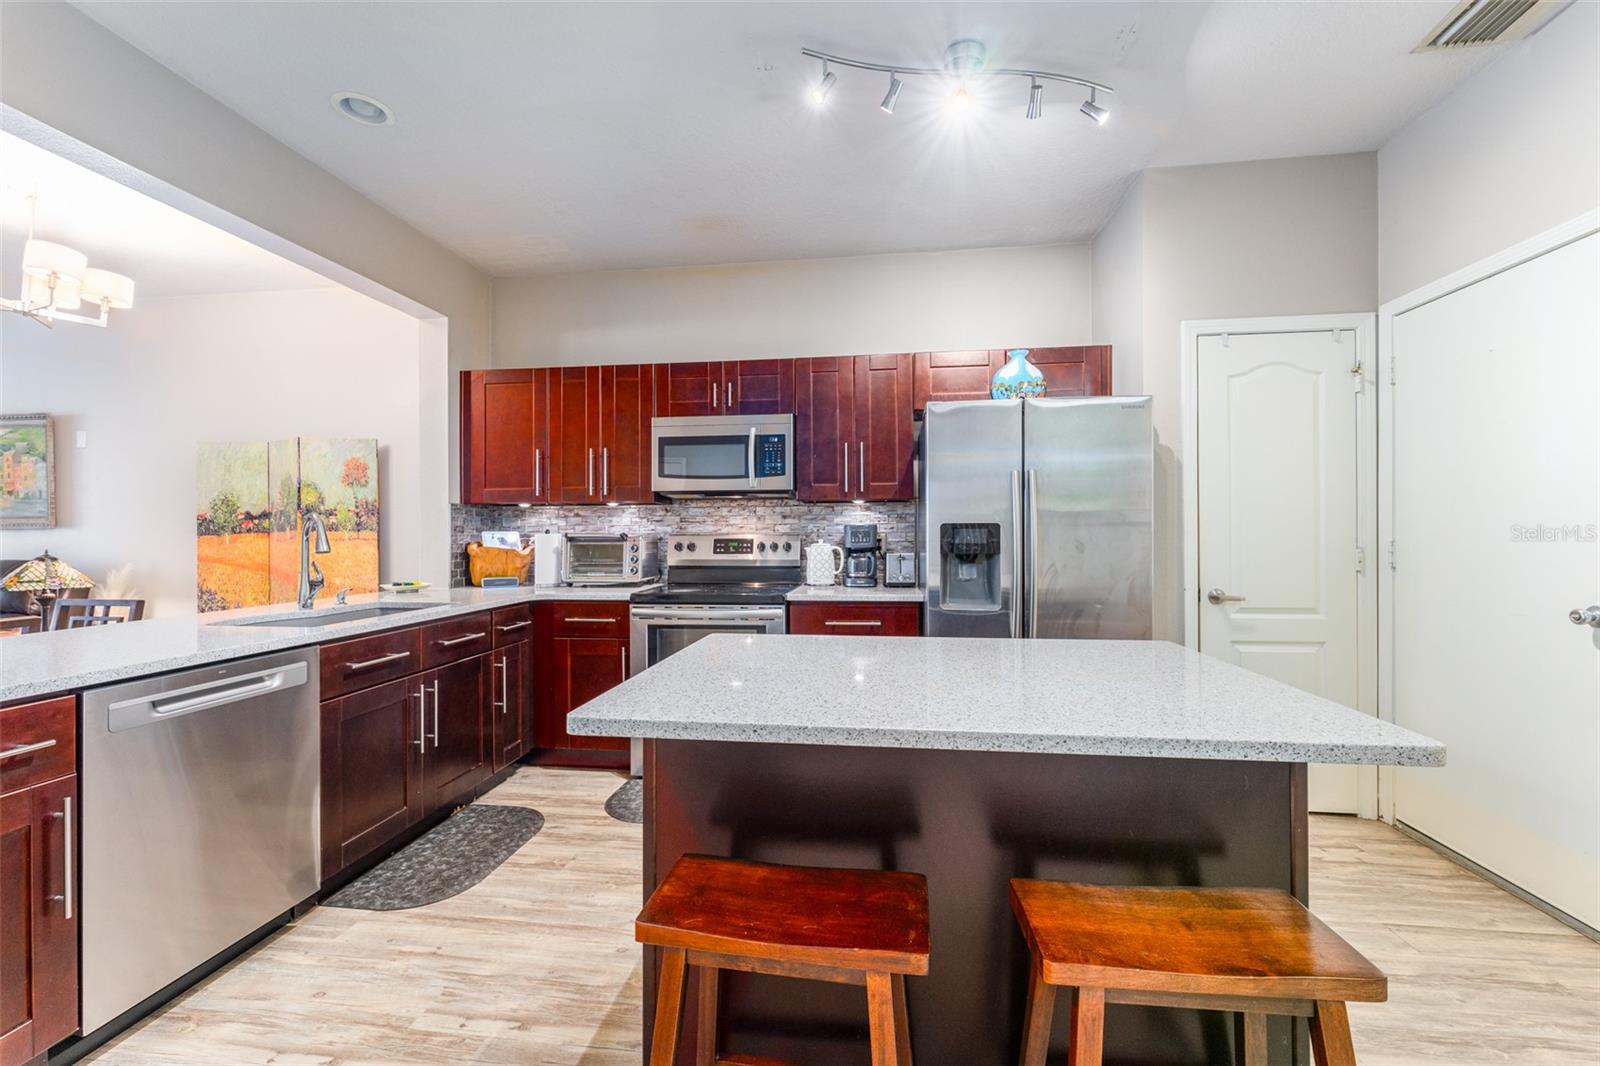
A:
27, 472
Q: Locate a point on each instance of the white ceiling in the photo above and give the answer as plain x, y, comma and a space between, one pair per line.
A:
545, 137
166, 252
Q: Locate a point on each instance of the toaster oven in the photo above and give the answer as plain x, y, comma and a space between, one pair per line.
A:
609, 560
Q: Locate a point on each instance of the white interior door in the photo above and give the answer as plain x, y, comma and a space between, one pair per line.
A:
1496, 502
1278, 516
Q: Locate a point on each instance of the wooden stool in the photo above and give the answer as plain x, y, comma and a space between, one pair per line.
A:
1253, 951
848, 926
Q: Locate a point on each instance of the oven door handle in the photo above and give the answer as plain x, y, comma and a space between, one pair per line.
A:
668, 615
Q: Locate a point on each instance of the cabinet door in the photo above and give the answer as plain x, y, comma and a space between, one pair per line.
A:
943, 376
856, 619
688, 389
627, 397
497, 427
574, 435
885, 431
371, 763
592, 665
1081, 371
824, 428
38, 881
759, 386
508, 696
457, 755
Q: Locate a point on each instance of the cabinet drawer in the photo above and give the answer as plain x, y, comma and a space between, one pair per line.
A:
856, 619
457, 638
587, 618
512, 624
38, 742
367, 661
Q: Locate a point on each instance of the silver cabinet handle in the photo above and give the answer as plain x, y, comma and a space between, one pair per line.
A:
436, 716
514, 625
501, 666
605, 472
367, 664
713, 396
624, 664
864, 622
1033, 552
861, 460
26, 749
453, 641
422, 718
536, 479
65, 814
1016, 553
591, 471
752, 456
1580, 616
1217, 596
847, 468
576, 619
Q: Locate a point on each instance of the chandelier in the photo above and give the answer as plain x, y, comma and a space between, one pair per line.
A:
57, 281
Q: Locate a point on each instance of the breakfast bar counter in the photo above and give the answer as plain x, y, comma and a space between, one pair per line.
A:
972, 762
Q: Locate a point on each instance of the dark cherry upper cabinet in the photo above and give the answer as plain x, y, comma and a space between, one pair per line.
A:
371, 769
758, 387
456, 756
686, 390
575, 435
1084, 370
1081, 371
509, 680
824, 426
505, 427
885, 431
626, 400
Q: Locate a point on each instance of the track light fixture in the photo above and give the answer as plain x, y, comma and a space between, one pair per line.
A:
1094, 110
964, 62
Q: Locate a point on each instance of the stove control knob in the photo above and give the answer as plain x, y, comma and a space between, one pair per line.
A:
788, 546
678, 547
691, 545
774, 545
760, 546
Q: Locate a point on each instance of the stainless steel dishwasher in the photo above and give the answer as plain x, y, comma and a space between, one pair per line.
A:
200, 819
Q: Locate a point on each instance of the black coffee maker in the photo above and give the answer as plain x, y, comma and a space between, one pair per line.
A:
861, 556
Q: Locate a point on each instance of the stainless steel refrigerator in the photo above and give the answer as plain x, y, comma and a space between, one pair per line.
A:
1035, 518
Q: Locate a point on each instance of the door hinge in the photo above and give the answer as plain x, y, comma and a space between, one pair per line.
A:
1361, 559
1391, 555
1391, 368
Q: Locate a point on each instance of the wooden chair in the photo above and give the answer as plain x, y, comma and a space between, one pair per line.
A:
864, 927
1252, 951
84, 613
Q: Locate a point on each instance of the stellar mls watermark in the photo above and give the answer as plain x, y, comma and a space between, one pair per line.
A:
1556, 533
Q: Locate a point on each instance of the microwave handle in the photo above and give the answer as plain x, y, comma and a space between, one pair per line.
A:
752, 456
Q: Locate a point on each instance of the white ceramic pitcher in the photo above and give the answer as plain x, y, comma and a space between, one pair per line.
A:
823, 563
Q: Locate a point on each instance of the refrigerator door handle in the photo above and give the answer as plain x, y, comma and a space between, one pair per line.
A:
1033, 552
1016, 553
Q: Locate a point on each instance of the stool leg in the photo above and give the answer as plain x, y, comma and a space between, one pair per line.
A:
1330, 1035
1087, 1029
880, 1019
705, 1043
1250, 1039
669, 1005
1036, 1023
902, 1024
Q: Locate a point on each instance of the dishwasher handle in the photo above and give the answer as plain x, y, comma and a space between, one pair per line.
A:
165, 706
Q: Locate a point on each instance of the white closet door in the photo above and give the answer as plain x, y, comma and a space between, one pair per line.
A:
1496, 506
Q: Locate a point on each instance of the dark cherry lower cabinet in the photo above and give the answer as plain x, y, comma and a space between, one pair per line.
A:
457, 755
862, 619
510, 678
580, 650
371, 770
38, 890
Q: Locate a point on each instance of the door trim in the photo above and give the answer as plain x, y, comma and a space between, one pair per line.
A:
1541, 244
1361, 323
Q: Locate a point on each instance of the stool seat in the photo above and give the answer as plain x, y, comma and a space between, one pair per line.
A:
1223, 941
863, 920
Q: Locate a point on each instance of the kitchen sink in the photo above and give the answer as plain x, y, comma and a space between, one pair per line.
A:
310, 619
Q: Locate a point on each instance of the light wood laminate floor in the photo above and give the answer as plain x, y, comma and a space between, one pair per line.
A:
537, 964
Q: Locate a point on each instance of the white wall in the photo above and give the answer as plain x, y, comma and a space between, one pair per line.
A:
65, 70
1513, 151
1119, 289
935, 301
174, 372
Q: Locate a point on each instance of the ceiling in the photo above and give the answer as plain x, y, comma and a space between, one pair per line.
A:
546, 137
165, 251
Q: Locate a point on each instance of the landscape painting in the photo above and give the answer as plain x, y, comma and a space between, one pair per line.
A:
231, 524
27, 472
337, 477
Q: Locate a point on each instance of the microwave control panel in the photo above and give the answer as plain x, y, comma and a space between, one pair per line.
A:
772, 454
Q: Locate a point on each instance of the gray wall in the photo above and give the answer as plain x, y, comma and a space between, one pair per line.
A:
1512, 152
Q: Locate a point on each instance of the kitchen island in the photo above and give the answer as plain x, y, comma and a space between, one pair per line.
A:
975, 761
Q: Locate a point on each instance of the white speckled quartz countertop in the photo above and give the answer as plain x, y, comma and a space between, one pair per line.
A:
1084, 697
36, 664
841, 594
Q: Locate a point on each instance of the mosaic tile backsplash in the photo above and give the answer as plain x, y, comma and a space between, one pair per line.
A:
806, 521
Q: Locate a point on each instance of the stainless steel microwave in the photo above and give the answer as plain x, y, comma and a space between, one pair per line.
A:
723, 455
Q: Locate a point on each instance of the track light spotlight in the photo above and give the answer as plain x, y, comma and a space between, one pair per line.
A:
1094, 110
1036, 100
961, 102
819, 94
891, 97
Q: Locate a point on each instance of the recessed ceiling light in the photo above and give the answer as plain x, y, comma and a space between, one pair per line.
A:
359, 107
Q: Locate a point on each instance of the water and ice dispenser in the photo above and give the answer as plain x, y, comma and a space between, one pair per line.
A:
969, 561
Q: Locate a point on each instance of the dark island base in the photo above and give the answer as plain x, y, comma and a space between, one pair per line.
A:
970, 821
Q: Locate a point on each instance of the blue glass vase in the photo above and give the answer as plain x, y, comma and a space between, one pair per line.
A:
1018, 378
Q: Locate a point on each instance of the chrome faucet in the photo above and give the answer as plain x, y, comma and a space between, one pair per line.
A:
311, 579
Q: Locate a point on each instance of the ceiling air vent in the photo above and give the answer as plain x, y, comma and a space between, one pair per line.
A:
1474, 22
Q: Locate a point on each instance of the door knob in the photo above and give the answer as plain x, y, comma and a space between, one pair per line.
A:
1586, 616
1217, 596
